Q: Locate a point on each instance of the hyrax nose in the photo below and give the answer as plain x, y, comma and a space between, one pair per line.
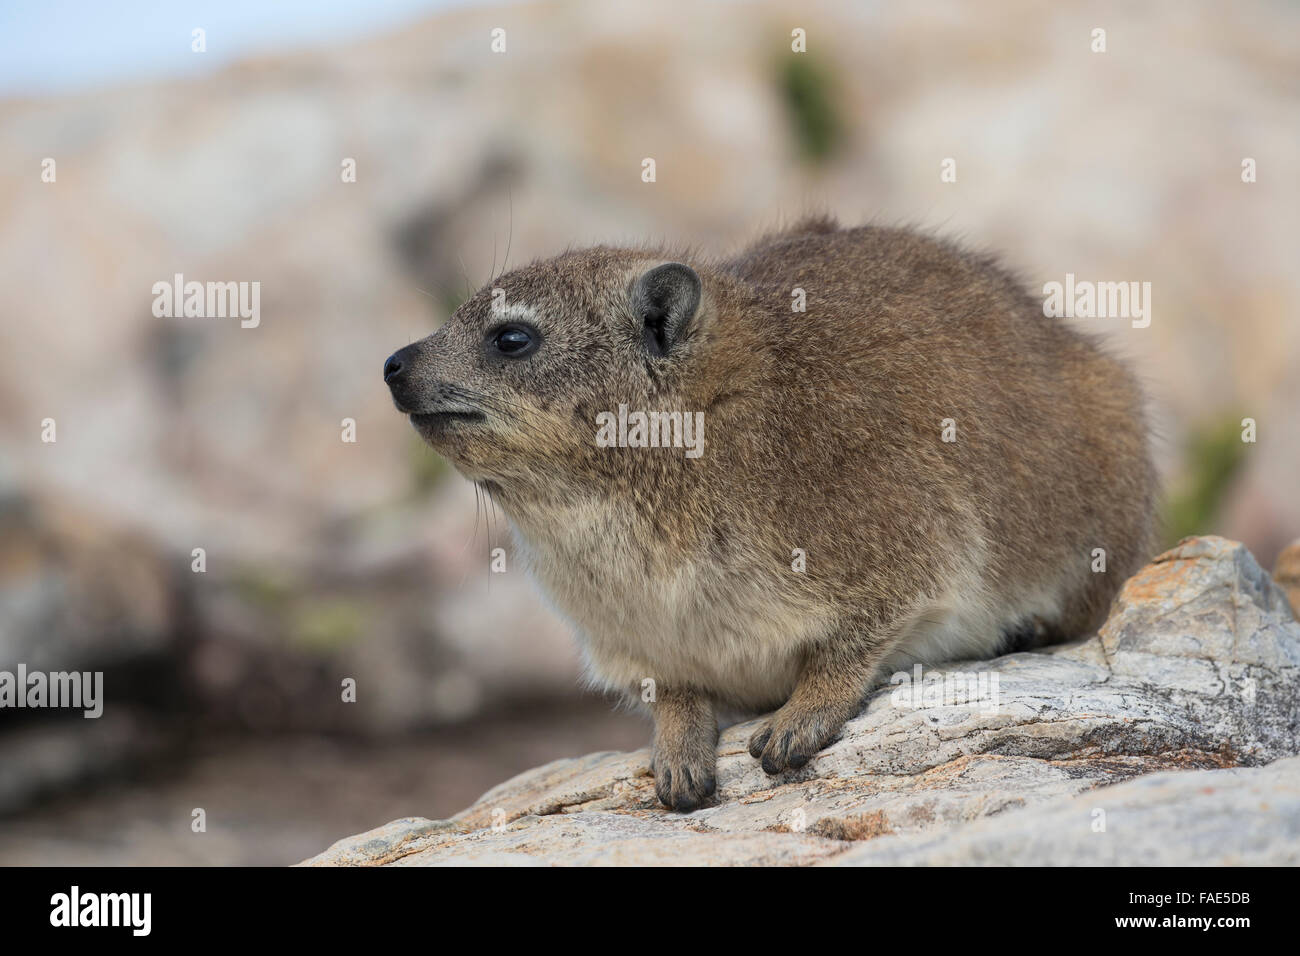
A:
397, 365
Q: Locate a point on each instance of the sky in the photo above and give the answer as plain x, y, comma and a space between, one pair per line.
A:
63, 45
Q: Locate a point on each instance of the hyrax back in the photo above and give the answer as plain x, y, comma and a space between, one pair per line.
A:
909, 341
915, 466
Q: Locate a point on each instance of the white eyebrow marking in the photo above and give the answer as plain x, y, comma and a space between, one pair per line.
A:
512, 310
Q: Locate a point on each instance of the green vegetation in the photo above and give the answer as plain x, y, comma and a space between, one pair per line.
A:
1214, 455
264, 587
326, 625
808, 90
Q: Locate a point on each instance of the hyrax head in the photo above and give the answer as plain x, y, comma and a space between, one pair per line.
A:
510, 386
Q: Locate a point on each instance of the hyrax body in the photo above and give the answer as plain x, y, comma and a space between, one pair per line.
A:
913, 468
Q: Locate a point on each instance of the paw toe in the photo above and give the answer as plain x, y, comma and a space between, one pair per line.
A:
681, 787
789, 742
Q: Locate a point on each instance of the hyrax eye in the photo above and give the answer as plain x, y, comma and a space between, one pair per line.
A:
514, 341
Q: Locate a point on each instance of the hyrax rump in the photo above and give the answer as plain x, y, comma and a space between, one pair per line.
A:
913, 469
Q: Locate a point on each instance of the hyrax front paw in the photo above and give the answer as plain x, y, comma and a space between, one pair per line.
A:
685, 750
684, 778
793, 735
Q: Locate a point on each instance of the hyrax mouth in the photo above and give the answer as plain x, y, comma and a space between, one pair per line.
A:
445, 416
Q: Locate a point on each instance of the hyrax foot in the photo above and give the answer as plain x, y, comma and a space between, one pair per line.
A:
684, 779
793, 735
685, 750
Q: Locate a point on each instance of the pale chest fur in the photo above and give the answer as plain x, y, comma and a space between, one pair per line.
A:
684, 622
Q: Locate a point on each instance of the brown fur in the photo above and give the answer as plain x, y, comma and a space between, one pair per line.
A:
1286, 572
823, 433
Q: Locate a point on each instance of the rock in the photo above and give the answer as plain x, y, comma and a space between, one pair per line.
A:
79, 593
249, 647
45, 758
1175, 721
1159, 820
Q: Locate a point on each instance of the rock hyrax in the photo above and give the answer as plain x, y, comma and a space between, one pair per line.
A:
917, 467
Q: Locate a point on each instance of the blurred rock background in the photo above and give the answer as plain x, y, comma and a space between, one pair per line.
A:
328, 560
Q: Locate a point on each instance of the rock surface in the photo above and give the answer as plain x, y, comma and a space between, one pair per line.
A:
1161, 740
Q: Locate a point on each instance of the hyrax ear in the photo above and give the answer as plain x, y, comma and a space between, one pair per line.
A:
666, 299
